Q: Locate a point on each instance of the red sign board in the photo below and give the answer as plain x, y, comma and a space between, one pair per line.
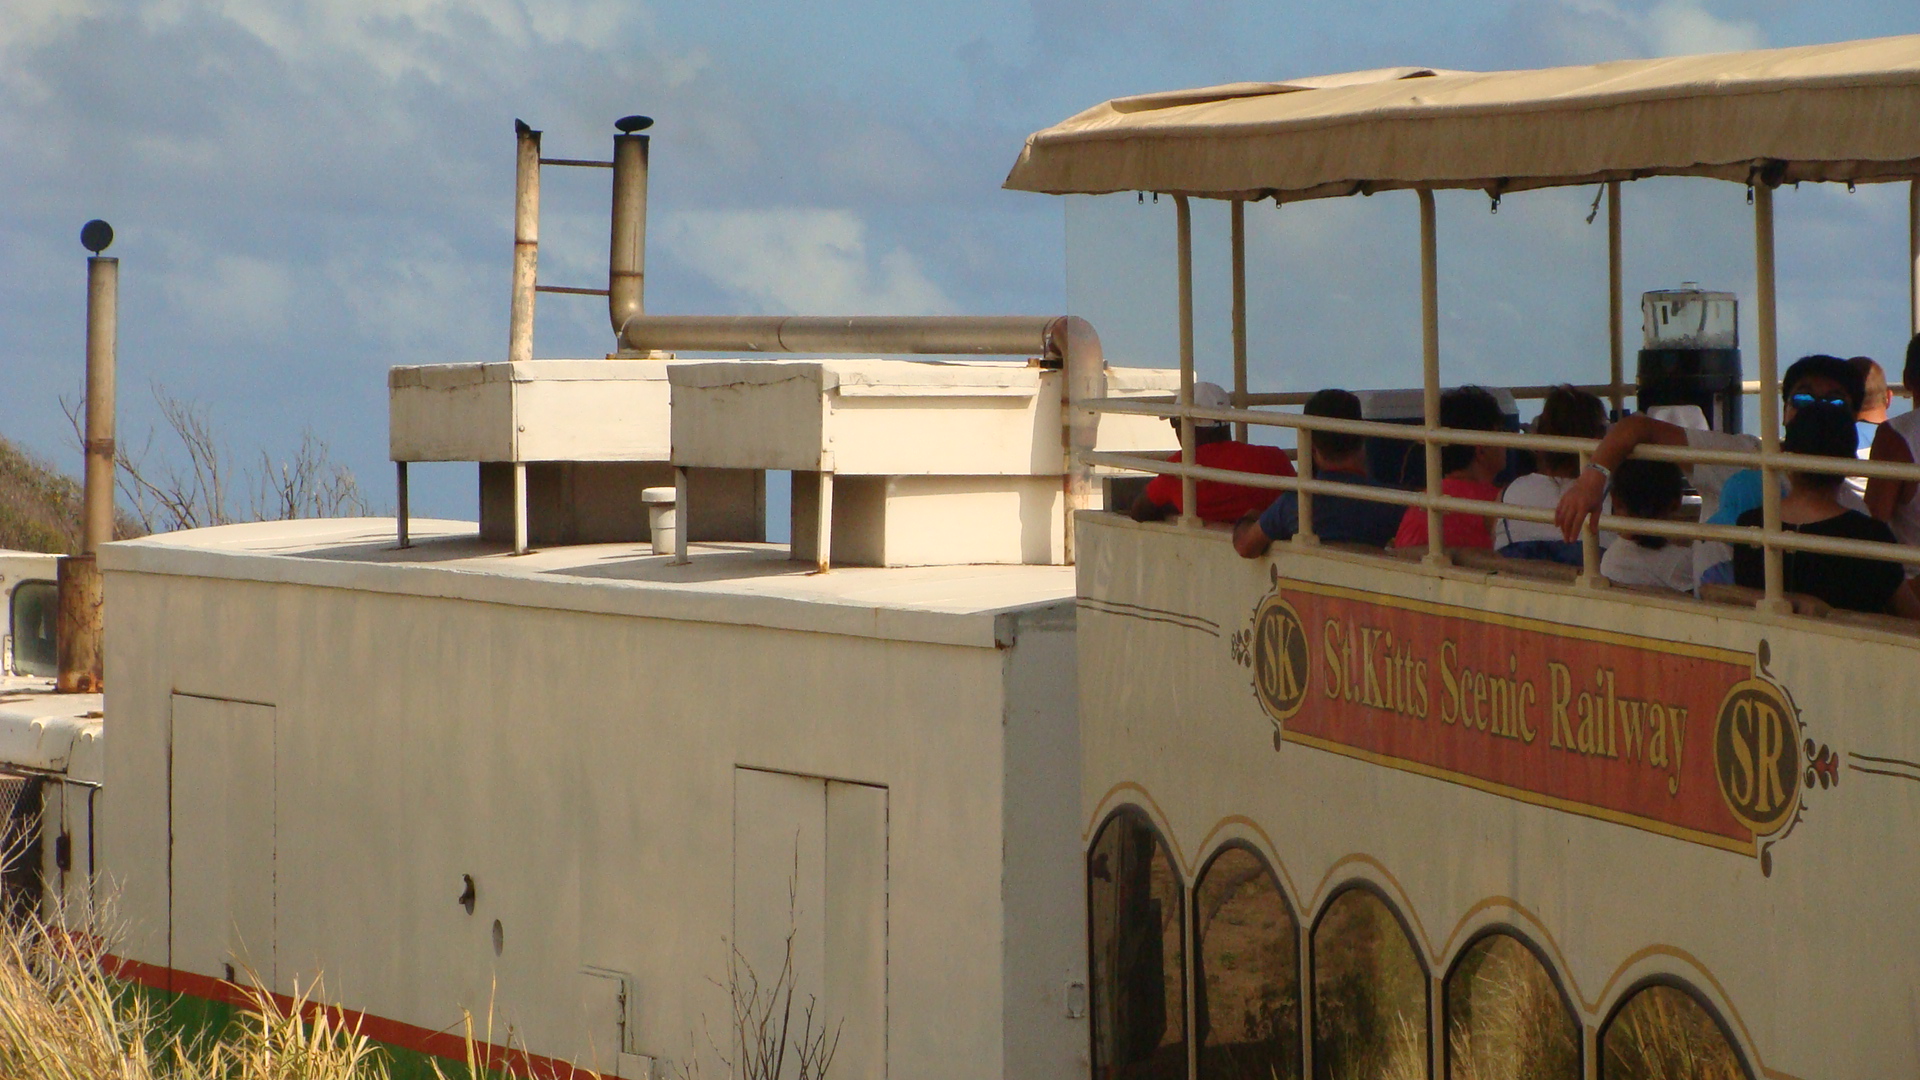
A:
1679, 739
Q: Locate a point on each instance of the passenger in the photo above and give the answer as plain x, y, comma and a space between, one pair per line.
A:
1339, 458
1812, 380
1466, 472
1651, 490
1567, 411
1726, 491
1812, 507
1897, 502
1215, 447
1874, 400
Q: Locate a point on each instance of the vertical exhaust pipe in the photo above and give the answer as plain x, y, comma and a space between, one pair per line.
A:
79, 626
627, 250
526, 242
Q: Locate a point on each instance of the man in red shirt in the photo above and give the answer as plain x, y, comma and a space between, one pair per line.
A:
1215, 447
1466, 472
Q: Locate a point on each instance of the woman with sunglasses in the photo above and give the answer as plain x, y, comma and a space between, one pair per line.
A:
1726, 491
1812, 507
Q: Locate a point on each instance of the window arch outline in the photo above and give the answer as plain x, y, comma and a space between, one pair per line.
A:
1183, 888
1267, 864
1685, 986
1508, 930
1303, 1011
1400, 917
1310, 992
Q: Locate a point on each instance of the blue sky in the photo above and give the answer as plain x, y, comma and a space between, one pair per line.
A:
307, 193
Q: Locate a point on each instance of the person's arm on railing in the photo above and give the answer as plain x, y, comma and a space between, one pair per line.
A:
1249, 539
1145, 509
1582, 501
1885, 496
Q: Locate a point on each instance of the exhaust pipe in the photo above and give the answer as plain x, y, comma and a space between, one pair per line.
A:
78, 630
627, 250
526, 242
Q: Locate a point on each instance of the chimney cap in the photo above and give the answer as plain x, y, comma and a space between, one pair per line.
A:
627, 125
96, 236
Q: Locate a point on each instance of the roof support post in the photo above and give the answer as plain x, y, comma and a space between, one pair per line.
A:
1616, 330
401, 511
1913, 255
1183, 218
526, 242
1775, 599
1240, 313
519, 508
1430, 367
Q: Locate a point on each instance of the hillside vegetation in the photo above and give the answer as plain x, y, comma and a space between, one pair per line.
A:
39, 506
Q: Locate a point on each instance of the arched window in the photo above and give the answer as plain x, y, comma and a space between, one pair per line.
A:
1246, 992
1137, 968
1506, 1017
1666, 1030
1369, 992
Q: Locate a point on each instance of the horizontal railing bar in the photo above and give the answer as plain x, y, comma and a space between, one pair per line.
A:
569, 290
1685, 455
1731, 534
1522, 393
578, 163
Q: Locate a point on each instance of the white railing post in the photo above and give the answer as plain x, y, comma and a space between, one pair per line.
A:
1616, 330
1240, 314
1183, 217
1430, 369
1775, 599
1303, 528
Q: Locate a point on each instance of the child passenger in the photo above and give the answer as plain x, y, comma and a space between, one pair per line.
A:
1647, 489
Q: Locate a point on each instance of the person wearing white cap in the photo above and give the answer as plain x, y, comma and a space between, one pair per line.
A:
1215, 447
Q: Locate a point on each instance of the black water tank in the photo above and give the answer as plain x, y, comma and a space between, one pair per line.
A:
1690, 353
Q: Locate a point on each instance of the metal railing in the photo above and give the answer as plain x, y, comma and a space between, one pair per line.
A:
1770, 465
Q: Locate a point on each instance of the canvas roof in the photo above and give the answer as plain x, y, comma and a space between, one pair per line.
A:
1847, 111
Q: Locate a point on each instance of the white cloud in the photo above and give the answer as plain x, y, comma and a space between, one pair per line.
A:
426, 38
1589, 31
1680, 27
227, 296
801, 261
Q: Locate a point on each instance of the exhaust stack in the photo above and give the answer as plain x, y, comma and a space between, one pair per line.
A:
79, 627
627, 251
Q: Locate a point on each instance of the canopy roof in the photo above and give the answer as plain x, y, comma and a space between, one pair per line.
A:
1849, 111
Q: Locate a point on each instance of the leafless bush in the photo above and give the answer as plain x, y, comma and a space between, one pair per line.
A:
764, 1039
190, 484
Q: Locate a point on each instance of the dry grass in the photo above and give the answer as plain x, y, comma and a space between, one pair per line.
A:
1370, 1008
1506, 1019
64, 1017
1663, 1034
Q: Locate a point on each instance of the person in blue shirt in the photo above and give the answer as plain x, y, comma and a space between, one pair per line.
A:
1337, 457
